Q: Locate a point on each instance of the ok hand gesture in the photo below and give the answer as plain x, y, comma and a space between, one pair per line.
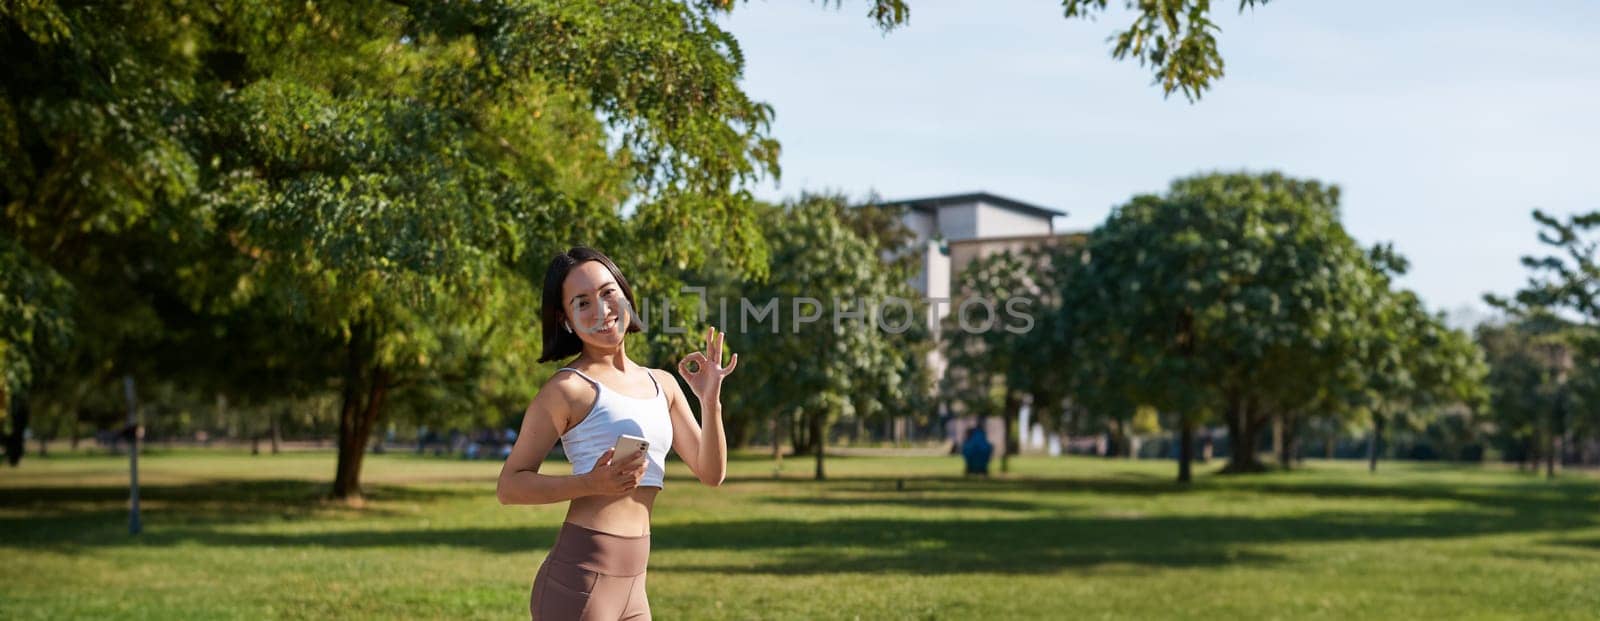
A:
706, 379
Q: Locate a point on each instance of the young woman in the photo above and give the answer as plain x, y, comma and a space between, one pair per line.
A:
596, 569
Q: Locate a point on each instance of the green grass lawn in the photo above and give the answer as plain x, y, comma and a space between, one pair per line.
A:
228, 535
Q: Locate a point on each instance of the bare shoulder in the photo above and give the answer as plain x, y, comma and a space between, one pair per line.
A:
563, 394
566, 382
669, 383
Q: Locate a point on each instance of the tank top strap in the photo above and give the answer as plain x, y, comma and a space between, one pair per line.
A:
597, 384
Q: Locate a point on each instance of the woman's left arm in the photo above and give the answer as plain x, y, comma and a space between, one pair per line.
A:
703, 446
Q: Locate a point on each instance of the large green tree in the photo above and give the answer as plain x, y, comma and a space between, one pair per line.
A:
396, 168
999, 340
97, 185
1565, 282
909, 397
379, 173
1524, 373
1201, 300
1414, 366
821, 339
389, 175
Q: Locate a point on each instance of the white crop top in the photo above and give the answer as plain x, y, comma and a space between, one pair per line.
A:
613, 415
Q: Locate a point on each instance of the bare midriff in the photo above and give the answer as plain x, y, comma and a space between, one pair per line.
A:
627, 514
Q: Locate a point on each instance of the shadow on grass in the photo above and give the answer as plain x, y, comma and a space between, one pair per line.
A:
1535, 503
1130, 484
68, 519
910, 502
1046, 540
236, 493
919, 546
1588, 544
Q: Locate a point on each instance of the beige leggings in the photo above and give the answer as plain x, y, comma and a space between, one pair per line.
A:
591, 575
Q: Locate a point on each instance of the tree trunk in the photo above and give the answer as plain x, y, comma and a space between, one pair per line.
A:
1329, 444
1552, 454
1295, 452
1374, 442
15, 443
1185, 449
1235, 433
363, 395
798, 435
1288, 432
1277, 438
737, 429
347, 477
1244, 427
276, 437
1554, 428
1013, 410
777, 444
73, 429
135, 521
819, 439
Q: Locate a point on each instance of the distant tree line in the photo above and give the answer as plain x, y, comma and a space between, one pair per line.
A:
1238, 300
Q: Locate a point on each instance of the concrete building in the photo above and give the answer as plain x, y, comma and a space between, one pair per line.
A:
953, 230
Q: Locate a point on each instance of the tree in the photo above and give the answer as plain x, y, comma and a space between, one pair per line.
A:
812, 361
381, 172
97, 188
34, 310
1522, 382
1582, 414
1415, 366
374, 166
912, 395
999, 354
393, 184
1194, 301
1567, 280
980, 346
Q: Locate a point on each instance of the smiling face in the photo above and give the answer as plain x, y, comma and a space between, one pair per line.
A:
595, 306
584, 291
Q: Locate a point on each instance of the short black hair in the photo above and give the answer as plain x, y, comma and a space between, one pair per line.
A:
559, 343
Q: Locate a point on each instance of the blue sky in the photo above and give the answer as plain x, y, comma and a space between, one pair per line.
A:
1444, 123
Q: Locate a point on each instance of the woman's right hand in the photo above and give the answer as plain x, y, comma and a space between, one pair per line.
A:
614, 478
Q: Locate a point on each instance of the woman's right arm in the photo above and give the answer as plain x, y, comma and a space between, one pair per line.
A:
520, 481
522, 484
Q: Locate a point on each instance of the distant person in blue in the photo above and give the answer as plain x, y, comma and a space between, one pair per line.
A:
976, 451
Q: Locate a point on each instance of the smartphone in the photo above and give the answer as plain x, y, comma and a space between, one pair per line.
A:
628, 445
